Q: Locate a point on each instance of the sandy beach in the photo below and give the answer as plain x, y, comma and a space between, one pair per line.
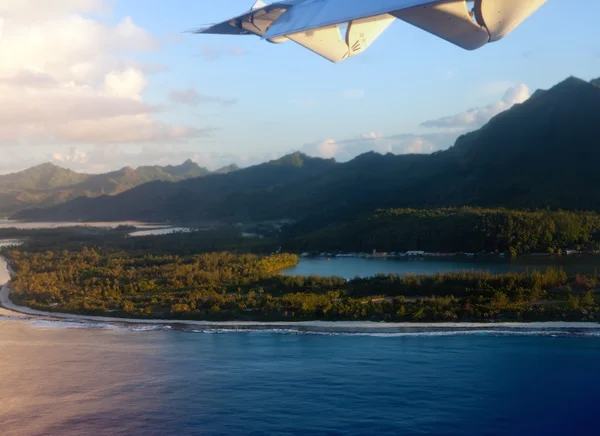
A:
11, 309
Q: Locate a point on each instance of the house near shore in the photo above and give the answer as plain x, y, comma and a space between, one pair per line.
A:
376, 254
415, 253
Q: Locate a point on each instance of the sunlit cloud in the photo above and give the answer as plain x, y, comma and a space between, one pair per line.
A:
67, 77
477, 117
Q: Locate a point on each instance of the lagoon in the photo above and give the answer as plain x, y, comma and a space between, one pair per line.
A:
350, 268
33, 225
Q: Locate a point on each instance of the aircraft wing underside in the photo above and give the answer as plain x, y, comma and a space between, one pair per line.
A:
339, 29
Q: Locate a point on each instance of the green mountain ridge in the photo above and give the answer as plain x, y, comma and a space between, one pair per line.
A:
47, 184
542, 153
227, 169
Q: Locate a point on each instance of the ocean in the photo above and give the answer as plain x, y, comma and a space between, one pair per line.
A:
64, 378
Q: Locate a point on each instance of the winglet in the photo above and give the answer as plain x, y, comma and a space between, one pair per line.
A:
258, 4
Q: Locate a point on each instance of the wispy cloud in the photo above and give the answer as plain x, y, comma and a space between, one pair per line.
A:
477, 117
212, 53
347, 149
191, 97
236, 51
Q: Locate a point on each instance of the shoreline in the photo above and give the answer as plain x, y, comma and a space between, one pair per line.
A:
316, 326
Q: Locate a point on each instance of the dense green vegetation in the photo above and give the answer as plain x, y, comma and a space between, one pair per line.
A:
515, 175
540, 154
449, 230
224, 238
226, 286
458, 230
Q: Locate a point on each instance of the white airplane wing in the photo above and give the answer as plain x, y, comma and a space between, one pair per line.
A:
339, 29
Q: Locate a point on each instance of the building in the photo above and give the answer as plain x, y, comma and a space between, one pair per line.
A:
415, 253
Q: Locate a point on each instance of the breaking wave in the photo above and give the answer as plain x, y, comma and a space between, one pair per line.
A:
266, 330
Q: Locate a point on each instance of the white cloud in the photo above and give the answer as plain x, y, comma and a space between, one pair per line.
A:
74, 155
190, 96
128, 83
66, 77
211, 53
347, 149
35, 10
328, 148
475, 118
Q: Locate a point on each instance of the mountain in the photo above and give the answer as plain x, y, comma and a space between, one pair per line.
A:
43, 176
224, 196
186, 170
228, 169
596, 82
48, 185
126, 178
540, 154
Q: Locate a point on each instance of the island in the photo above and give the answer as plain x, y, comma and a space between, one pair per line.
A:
148, 284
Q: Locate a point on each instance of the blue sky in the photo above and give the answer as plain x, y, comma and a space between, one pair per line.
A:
259, 100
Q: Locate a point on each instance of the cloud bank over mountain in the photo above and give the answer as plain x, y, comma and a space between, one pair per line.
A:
75, 91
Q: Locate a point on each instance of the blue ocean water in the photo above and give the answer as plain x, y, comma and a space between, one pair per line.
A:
56, 380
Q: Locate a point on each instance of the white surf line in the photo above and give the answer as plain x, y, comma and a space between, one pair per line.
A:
344, 326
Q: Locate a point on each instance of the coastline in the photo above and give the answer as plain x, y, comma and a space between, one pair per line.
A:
325, 326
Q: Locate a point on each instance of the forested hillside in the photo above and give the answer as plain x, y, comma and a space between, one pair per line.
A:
456, 230
543, 153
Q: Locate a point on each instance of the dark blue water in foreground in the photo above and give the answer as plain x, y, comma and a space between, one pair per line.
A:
80, 381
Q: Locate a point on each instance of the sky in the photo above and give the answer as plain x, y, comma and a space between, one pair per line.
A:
95, 85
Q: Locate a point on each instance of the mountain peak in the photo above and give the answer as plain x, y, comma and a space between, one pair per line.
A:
44, 166
596, 82
188, 169
298, 159
572, 82
295, 159
227, 169
189, 163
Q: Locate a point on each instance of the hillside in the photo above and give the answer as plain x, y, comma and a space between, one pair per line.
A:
45, 176
231, 195
542, 153
48, 185
452, 230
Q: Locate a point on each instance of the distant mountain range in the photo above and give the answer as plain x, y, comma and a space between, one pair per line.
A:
47, 184
543, 153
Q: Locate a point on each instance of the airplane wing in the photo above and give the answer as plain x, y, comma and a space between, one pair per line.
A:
234, 26
339, 29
